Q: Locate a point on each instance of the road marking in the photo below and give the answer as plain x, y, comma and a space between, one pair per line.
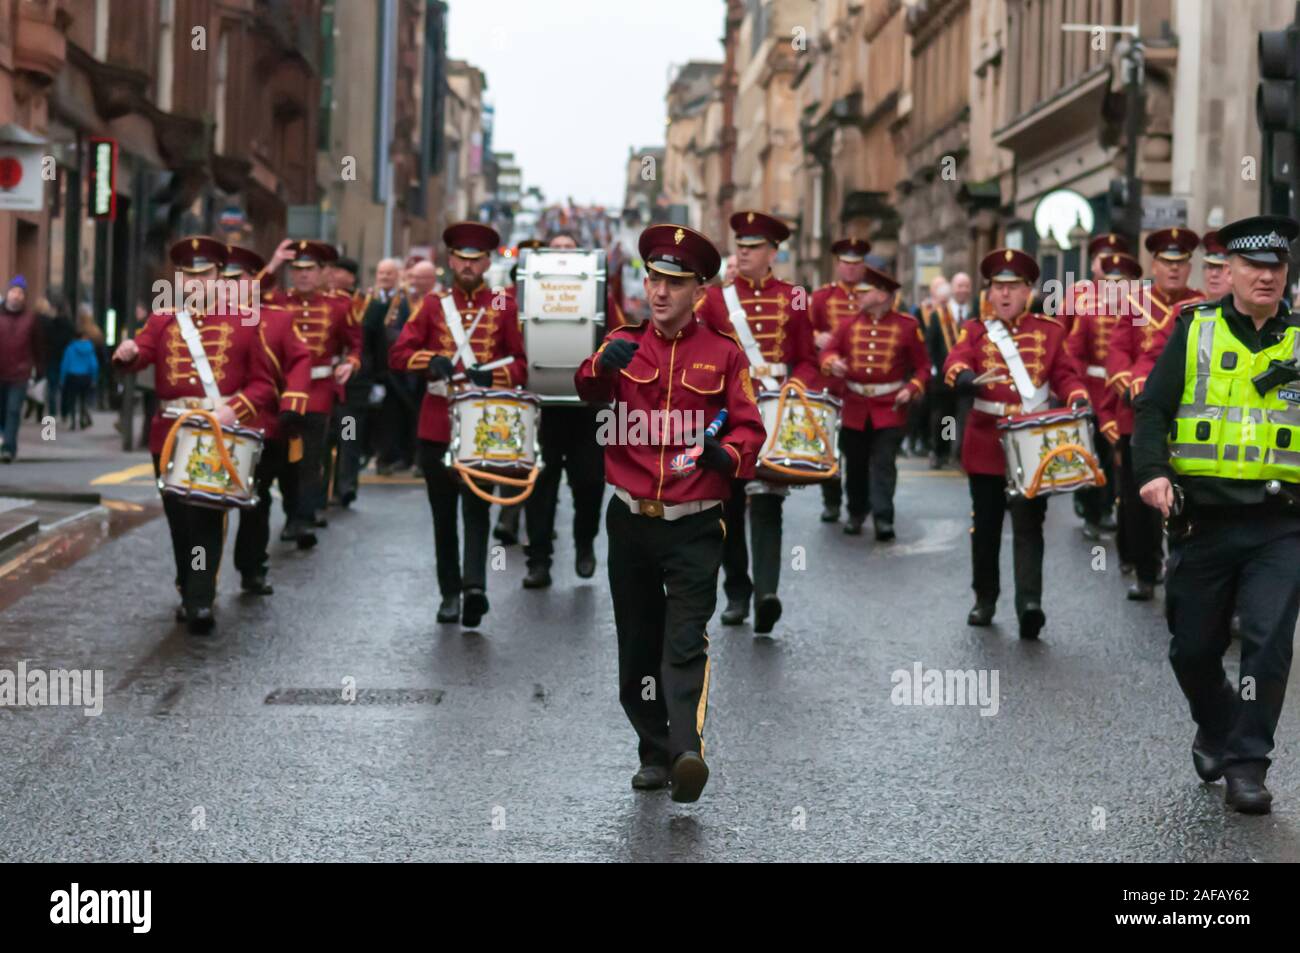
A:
122, 476
123, 505
18, 561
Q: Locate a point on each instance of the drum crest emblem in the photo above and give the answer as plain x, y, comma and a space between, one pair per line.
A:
499, 432
203, 465
1066, 466
799, 433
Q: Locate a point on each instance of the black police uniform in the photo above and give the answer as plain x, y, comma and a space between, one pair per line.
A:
1242, 555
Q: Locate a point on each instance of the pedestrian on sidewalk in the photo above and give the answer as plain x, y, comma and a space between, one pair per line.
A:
20, 353
57, 332
78, 372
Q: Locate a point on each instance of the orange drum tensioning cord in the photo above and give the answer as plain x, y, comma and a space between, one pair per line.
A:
223, 454
469, 475
1067, 449
802, 393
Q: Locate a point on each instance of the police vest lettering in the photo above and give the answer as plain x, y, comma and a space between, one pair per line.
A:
1224, 427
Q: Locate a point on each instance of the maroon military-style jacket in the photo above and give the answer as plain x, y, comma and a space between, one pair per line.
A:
693, 375
326, 323
878, 351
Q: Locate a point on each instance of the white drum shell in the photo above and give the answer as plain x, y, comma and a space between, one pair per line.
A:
793, 443
562, 315
495, 430
1025, 446
193, 476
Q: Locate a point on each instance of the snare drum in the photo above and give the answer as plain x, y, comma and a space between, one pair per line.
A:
206, 464
562, 312
802, 432
494, 438
1051, 451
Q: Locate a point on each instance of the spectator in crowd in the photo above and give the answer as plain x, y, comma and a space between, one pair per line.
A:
79, 372
58, 331
21, 354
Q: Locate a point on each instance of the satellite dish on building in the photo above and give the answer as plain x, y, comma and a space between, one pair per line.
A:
1060, 212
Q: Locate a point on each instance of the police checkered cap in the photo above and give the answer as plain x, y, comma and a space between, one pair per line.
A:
1270, 242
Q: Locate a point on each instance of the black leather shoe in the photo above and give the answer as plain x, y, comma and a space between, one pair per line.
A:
1207, 757
199, 620
476, 606
735, 612
1141, 591
884, 531
1091, 531
256, 585
585, 563
290, 532
766, 612
650, 777
348, 498
538, 577
1032, 621
306, 539
981, 614
689, 776
853, 527
831, 514
449, 609
1245, 792
505, 535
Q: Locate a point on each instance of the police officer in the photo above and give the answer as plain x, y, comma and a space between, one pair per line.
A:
665, 521
1218, 427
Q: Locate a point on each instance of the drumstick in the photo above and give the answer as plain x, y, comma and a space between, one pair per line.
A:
683, 464
489, 366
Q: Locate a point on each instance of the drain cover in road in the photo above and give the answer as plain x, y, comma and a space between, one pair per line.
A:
364, 696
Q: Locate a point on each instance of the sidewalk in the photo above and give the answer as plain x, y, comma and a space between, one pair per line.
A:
74, 460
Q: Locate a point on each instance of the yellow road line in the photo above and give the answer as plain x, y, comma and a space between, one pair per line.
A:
122, 476
122, 505
26, 557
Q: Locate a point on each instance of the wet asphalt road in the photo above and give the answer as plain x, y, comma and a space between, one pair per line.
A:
509, 743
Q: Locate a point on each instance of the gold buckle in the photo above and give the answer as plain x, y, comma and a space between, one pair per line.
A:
653, 508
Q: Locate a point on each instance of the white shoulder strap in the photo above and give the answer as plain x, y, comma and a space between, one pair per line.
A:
464, 352
194, 341
1031, 398
740, 321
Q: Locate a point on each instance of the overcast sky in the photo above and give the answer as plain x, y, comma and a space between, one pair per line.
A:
576, 83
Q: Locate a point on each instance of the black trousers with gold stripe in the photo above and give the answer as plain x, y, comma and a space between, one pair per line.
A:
663, 576
198, 535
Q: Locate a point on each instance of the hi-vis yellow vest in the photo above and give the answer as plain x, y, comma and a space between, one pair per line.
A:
1224, 427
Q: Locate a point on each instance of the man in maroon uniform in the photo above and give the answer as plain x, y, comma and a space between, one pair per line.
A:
665, 524
1095, 317
994, 359
1136, 342
291, 361
224, 356
769, 319
488, 325
833, 305
1214, 267
324, 319
881, 357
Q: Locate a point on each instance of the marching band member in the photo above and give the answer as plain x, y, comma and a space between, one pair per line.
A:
280, 423
450, 333
947, 410
1214, 425
1136, 342
880, 356
833, 305
769, 319
1214, 267
346, 443
507, 528
1089, 344
664, 522
1010, 361
210, 361
324, 319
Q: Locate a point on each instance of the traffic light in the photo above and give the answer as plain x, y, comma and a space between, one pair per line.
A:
1277, 110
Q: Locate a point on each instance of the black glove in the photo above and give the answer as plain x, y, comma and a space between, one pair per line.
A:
292, 423
479, 378
1080, 403
715, 458
964, 383
440, 368
616, 356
